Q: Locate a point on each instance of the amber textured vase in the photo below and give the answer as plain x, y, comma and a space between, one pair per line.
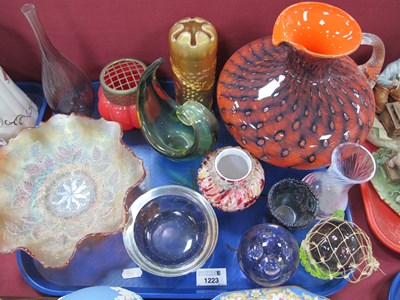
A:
290, 99
193, 44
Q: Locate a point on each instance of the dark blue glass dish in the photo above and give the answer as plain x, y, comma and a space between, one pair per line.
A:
172, 230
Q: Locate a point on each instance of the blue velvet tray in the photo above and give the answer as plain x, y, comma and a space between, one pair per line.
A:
102, 261
394, 291
34, 91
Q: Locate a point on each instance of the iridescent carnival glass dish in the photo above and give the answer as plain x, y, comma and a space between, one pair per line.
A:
61, 182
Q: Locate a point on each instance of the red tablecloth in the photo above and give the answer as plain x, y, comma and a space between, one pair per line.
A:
374, 287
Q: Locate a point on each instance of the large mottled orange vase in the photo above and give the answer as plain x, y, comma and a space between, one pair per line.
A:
290, 99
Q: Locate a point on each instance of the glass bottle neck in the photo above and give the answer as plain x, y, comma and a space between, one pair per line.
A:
44, 42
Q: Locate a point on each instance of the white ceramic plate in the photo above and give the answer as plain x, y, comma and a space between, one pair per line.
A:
102, 293
282, 292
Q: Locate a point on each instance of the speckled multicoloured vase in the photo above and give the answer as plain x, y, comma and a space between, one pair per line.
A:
290, 99
230, 178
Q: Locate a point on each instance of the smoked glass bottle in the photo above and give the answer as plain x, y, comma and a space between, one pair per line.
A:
66, 88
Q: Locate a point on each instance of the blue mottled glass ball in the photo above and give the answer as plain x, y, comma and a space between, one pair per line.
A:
268, 254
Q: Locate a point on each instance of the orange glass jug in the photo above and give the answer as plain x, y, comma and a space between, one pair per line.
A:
290, 99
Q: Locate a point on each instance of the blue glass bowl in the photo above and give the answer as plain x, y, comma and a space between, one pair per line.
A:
268, 254
172, 230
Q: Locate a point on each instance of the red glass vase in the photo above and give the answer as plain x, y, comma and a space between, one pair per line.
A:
126, 116
117, 93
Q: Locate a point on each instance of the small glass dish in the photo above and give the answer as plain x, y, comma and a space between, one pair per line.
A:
172, 231
62, 182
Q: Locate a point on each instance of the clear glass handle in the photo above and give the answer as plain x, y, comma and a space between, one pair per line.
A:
373, 66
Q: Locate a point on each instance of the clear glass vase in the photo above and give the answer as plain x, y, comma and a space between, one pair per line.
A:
66, 87
351, 164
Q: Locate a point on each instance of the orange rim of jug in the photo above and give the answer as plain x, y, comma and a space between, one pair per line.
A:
318, 28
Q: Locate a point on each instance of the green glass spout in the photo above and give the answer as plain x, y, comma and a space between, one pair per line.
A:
176, 131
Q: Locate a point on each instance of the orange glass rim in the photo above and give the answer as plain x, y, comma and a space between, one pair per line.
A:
318, 28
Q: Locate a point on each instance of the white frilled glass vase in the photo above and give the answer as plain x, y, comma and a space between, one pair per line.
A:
351, 164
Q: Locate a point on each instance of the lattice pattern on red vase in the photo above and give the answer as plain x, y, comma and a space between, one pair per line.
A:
120, 79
